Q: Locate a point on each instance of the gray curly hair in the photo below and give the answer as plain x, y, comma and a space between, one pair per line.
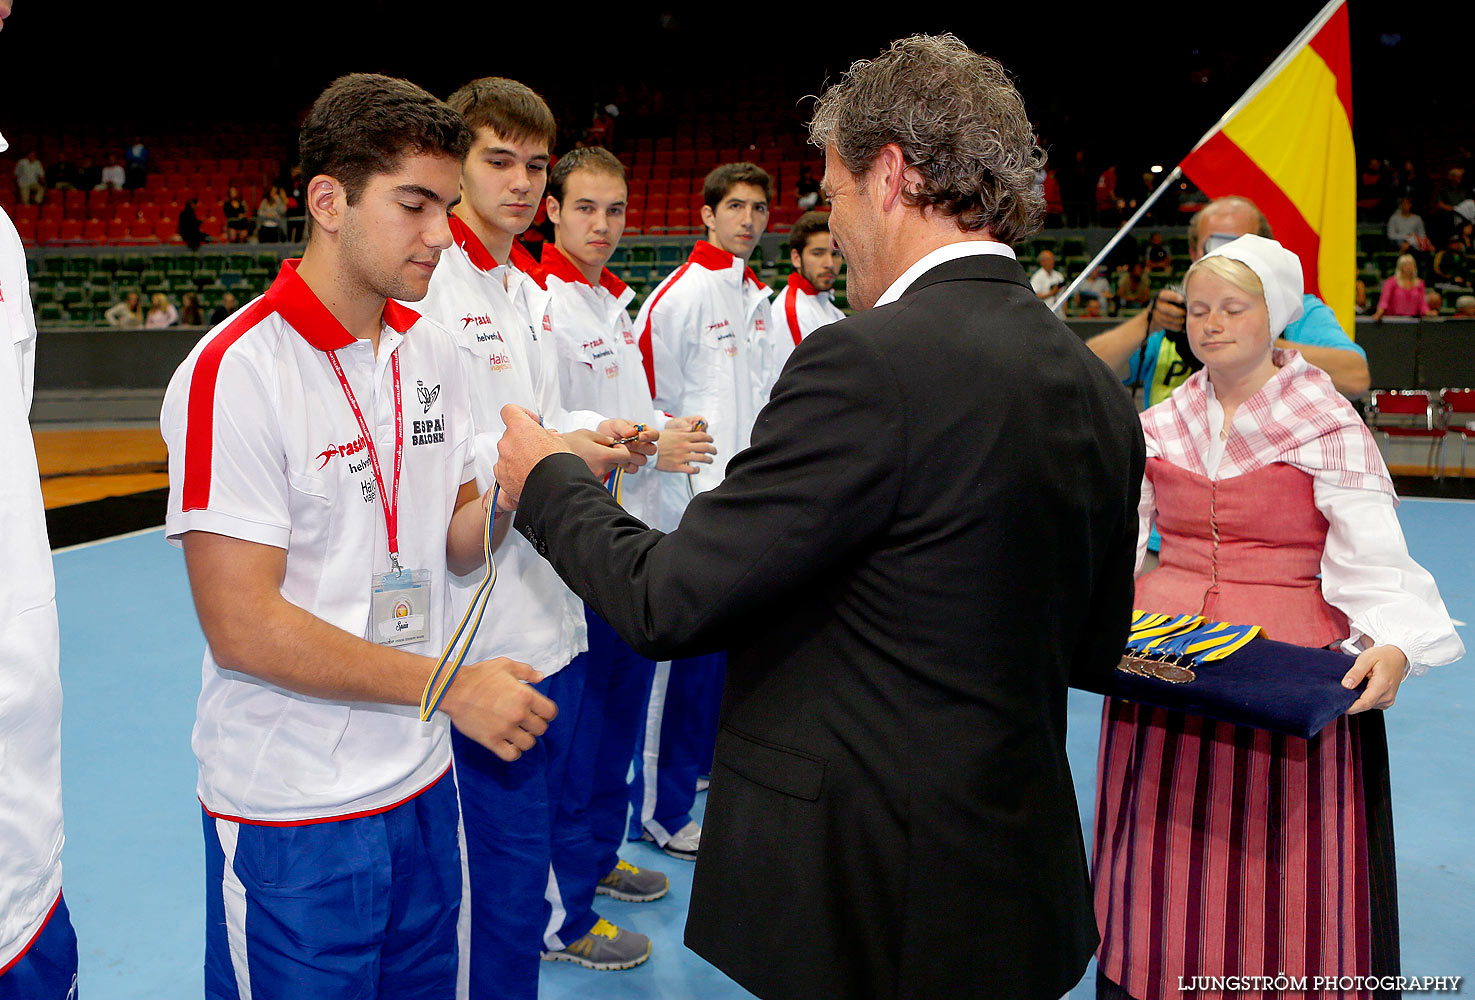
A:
958, 120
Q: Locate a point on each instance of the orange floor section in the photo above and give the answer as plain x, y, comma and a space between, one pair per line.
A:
78, 466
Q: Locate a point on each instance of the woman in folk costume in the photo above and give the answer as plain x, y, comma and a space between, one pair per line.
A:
1223, 850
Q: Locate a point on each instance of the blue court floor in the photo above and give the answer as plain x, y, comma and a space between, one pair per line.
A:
133, 863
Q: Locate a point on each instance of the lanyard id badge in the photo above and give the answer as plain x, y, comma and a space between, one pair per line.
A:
402, 606
401, 602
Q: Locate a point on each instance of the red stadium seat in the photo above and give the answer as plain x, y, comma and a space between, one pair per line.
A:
213, 227
98, 201
26, 213
141, 230
95, 231
74, 199
149, 213
117, 230
27, 230
167, 230
71, 231
52, 212
634, 220
229, 166
47, 231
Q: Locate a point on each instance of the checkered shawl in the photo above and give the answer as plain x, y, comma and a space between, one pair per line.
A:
1298, 418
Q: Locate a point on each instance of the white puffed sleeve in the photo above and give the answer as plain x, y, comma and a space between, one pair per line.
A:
1368, 575
1146, 509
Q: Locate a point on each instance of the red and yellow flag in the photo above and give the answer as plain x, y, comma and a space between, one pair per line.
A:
1287, 146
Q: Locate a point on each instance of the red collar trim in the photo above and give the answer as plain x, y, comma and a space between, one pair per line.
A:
714, 258
556, 263
294, 301
475, 249
797, 280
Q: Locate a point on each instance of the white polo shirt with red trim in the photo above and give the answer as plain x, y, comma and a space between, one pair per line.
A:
264, 446
700, 333
799, 310
599, 362
30, 686
532, 616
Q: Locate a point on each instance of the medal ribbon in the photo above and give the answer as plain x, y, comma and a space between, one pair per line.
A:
451, 658
389, 501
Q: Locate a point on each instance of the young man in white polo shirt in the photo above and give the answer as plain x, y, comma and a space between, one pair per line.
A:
702, 334
38, 948
600, 368
523, 834
808, 302
321, 485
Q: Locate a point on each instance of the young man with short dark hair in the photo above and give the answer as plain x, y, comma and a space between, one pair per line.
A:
703, 335
600, 368
321, 485
525, 832
808, 302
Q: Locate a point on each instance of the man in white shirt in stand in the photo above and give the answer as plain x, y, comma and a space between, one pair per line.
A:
523, 835
1046, 281
600, 369
321, 473
703, 334
808, 302
38, 948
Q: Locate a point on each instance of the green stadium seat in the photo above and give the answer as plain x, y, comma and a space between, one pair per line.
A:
81, 266
160, 261
180, 264
178, 284
151, 279
53, 265
271, 261
1073, 247
642, 255
211, 263
133, 262
51, 315
232, 279
240, 261
616, 259
106, 263
669, 255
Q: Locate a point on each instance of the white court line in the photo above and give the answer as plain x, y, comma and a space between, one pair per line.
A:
104, 541
1434, 500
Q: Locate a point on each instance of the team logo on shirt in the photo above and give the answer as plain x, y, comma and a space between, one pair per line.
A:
629, 337
499, 361
369, 490
428, 431
341, 451
427, 396
469, 319
760, 327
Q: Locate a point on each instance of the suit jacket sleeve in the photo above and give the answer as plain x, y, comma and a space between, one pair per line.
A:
821, 479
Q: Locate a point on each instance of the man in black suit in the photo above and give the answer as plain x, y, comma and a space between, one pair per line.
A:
932, 532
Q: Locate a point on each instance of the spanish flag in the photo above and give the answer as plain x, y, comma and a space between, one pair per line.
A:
1287, 146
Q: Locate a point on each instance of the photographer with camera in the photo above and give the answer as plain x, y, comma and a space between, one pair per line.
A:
1150, 350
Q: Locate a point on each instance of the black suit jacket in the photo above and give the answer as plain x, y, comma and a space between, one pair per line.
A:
933, 529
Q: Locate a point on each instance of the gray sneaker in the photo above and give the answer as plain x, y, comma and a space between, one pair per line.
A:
683, 844
633, 885
605, 947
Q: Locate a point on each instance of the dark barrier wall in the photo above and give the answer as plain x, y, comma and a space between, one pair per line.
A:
1413, 355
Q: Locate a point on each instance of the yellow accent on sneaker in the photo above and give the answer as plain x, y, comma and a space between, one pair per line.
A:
625, 866
604, 929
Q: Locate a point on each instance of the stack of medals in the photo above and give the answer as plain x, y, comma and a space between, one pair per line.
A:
1167, 647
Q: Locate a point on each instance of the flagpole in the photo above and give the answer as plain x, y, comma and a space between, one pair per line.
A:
1116, 238
1279, 63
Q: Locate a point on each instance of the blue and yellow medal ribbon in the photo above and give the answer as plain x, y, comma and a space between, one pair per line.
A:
1142, 640
451, 659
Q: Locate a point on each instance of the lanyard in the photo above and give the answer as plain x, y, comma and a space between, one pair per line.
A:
388, 500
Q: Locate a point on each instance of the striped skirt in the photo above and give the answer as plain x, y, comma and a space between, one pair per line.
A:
1225, 851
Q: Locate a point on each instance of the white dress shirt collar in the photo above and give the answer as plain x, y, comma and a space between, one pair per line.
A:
943, 254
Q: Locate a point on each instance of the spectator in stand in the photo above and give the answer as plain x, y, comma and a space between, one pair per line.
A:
296, 205
136, 163
808, 189
1465, 307
1097, 289
1406, 229
1374, 189
223, 311
1360, 304
191, 313
1403, 293
1092, 309
1046, 281
113, 175
271, 216
30, 179
63, 176
1435, 302
163, 312
1108, 205
189, 225
1413, 184
1452, 264
128, 313
89, 174
1133, 290
237, 217
1451, 193
1054, 205
1156, 256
